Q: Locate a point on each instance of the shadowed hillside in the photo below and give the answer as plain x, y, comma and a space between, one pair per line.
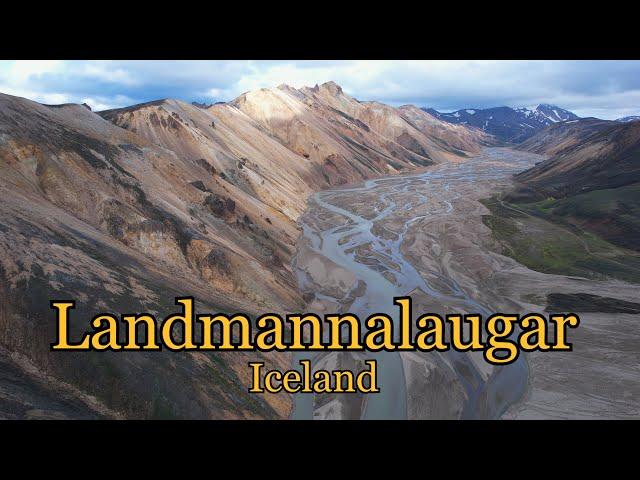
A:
577, 212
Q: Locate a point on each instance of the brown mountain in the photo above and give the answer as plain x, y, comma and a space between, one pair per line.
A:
591, 181
598, 156
127, 209
559, 136
280, 144
96, 213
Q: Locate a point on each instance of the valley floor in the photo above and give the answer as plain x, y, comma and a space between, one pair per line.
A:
423, 235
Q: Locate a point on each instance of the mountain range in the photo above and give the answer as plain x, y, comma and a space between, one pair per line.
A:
125, 209
632, 118
510, 125
591, 179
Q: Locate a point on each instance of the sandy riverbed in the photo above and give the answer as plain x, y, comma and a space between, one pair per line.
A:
423, 235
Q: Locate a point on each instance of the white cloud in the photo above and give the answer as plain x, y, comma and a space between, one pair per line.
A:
41, 97
590, 87
106, 72
103, 103
22, 70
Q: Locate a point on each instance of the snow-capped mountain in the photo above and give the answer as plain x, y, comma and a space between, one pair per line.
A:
508, 124
632, 118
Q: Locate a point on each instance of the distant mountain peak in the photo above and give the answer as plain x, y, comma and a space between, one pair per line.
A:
554, 113
332, 87
506, 123
202, 105
632, 118
285, 87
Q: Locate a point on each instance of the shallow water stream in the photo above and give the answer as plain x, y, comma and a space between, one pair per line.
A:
386, 273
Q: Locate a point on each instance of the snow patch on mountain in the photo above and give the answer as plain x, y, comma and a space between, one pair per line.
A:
506, 123
632, 118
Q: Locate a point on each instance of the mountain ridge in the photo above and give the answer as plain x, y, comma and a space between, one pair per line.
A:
556, 137
511, 125
591, 179
127, 208
632, 118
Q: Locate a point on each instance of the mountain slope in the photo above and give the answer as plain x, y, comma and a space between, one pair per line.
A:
608, 158
231, 147
126, 209
339, 133
95, 213
592, 183
632, 118
559, 136
512, 125
457, 138
280, 144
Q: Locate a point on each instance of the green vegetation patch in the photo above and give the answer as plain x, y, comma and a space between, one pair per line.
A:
540, 241
613, 214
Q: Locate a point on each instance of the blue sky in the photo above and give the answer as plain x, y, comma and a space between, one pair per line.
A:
605, 89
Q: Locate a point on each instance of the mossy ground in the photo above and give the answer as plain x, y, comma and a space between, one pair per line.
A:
537, 236
613, 214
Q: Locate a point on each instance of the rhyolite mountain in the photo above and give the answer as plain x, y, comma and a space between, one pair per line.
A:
511, 125
123, 210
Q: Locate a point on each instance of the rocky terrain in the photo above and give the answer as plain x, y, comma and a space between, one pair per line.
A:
126, 209
510, 125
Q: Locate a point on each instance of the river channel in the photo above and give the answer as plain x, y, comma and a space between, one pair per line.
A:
362, 228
